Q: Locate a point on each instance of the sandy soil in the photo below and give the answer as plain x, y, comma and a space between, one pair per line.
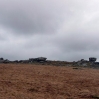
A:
21, 81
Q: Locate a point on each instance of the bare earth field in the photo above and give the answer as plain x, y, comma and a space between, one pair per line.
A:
25, 81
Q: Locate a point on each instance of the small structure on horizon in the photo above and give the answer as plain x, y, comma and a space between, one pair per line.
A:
92, 59
39, 59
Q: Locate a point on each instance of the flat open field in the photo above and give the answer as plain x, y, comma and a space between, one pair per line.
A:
25, 81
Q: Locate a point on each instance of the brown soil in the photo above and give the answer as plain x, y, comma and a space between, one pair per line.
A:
25, 81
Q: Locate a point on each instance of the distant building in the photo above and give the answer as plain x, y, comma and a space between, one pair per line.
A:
92, 59
39, 59
1, 59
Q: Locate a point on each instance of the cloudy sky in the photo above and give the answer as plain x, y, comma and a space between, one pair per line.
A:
57, 29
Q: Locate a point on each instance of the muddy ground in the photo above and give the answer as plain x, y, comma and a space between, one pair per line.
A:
25, 81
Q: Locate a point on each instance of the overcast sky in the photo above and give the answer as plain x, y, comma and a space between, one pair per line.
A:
57, 29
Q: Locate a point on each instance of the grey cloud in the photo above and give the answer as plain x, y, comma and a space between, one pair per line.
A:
2, 38
2, 35
62, 29
35, 16
75, 47
30, 16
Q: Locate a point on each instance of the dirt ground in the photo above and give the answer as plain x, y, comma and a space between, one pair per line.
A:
25, 81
